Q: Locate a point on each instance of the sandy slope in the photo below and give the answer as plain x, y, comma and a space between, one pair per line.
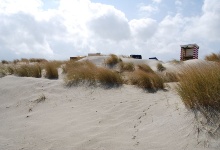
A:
86, 118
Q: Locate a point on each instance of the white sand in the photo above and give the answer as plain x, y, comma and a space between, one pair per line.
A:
88, 118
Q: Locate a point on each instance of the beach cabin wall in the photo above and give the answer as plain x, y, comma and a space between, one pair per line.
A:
189, 51
94, 54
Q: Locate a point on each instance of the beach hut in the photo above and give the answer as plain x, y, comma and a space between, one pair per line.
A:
189, 51
136, 56
94, 54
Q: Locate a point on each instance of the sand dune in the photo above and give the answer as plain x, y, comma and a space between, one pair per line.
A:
89, 118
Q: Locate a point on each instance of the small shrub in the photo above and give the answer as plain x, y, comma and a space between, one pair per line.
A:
126, 66
213, 57
51, 70
108, 77
145, 68
112, 60
160, 67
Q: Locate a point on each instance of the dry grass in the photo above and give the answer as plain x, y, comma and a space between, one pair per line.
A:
148, 81
80, 72
28, 71
213, 57
112, 60
51, 70
24, 60
41, 99
86, 72
145, 68
38, 60
160, 67
2, 71
175, 61
169, 76
199, 87
15, 61
108, 77
126, 66
10, 69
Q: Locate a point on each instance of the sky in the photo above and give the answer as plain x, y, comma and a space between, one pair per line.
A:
59, 29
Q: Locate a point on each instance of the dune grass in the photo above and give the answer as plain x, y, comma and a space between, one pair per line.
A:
15, 61
175, 61
108, 77
80, 72
28, 71
126, 66
51, 70
24, 60
112, 60
213, 57
10, 69
169, 76
86, 72
160, 67
2, 71
38, 60
199, 87
148, 81
145, 68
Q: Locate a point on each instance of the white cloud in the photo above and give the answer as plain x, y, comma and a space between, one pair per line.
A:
143, 29
178, 2
157, 1
206, 26
27, 6
80, 26
148, 8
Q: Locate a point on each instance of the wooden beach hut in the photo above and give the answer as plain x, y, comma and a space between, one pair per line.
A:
189, 51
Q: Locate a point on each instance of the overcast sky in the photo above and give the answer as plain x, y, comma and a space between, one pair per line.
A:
58, 29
